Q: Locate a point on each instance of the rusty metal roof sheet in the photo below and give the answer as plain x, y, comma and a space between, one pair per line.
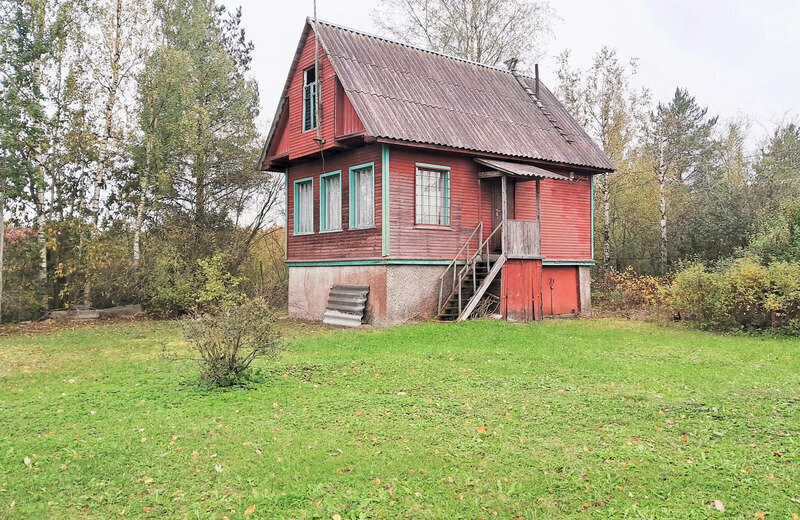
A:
410, 94
520, 169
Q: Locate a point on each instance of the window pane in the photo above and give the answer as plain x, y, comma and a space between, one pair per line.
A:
432, 197
309, 100
364, 200
304, 208
333, 202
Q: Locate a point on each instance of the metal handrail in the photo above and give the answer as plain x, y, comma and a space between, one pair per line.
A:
471, 263
454, 262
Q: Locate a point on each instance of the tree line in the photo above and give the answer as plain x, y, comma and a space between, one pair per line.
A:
128, 150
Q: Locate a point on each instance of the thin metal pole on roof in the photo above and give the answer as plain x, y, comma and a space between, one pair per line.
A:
318, 87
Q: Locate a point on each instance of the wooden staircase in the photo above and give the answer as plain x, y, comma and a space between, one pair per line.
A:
470, 282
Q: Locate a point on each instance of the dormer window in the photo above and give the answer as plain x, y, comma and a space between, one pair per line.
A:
309, 99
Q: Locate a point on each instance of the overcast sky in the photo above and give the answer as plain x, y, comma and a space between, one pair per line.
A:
739, 58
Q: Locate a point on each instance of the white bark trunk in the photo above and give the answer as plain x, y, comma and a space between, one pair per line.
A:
606, 222
40, 237
662, 195
2, 246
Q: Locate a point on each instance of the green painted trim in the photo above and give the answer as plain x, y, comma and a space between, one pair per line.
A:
434, 166
299, 181
331, 263
323, 202
591, 194
352, 214
286, 225
567, 262
385, 200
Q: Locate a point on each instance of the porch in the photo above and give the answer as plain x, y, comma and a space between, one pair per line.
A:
500, 270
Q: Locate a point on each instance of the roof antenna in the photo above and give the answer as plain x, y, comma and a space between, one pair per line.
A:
536, 68
511, 63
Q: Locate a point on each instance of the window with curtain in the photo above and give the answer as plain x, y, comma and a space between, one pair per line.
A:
309, 99
330, 196
362, 196
304, 207
433, 196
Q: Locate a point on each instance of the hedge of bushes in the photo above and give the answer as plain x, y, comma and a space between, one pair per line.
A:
743, 294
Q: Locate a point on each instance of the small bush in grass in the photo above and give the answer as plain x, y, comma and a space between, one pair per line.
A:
625, 290
230, 340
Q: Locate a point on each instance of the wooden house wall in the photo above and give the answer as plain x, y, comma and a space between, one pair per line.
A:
566, 219
293, 140
347, 121
410, 241
339, 245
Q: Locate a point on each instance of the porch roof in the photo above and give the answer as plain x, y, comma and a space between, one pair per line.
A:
520, 170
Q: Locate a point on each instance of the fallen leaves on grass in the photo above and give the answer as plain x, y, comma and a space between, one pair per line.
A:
719, 506
760, 515
481, 429
250, 510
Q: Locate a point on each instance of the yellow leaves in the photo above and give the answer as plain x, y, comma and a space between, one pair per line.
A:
336, 517
719, 506
250, 510
27, 461
148, 481
760, 515
481, 429
359, 413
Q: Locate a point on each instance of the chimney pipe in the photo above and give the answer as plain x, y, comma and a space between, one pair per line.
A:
536, 68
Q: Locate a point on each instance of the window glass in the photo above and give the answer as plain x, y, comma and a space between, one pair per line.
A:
362, 211
303, 207
433, 197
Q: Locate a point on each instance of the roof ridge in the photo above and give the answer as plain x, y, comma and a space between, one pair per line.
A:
310, 19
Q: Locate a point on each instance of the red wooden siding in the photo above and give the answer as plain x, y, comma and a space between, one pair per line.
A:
525, 205
347, 121
521, 289
414, 242
564, 297
293, 140
566, 219
346, 244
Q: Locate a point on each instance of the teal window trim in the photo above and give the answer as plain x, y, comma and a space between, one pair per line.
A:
313, 96
446, 169
323, 202
567, 262
286, 226
385, 200
296, 208
352, 197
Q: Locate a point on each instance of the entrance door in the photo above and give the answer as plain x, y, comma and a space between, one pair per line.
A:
496, 188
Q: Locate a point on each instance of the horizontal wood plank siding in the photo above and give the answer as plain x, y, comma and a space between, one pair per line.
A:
347, 121
566, 219
411, 241
339, 245
293, 140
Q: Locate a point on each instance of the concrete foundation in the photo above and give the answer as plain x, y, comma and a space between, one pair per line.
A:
398, 293
585, 289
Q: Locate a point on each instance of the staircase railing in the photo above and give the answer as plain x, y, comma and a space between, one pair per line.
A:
454, 263
470, 264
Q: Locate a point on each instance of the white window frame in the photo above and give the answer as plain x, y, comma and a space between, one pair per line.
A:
420, 220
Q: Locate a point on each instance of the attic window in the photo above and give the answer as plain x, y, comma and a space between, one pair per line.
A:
309, 99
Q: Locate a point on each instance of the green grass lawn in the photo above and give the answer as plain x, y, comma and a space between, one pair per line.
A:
569, 418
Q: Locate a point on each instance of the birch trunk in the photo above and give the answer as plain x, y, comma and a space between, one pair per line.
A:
40, 236
108, 133
662, 194
144, 181
2, 246
606, 223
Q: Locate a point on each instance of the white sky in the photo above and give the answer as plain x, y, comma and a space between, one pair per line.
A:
739, 58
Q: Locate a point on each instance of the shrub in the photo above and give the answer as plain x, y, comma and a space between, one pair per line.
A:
743, 294
229, 341
619, 290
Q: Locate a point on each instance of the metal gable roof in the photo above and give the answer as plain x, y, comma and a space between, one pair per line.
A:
410, 94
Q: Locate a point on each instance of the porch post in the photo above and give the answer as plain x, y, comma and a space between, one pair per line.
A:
504, 204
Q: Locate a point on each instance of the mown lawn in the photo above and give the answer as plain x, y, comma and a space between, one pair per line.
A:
582, 418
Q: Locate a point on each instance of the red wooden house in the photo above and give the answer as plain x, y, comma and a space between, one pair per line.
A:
443, 185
